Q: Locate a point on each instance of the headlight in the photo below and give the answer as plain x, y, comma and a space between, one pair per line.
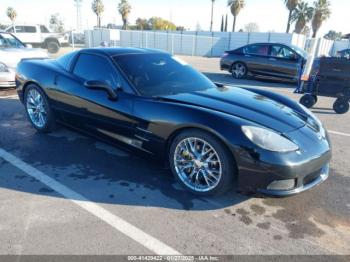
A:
3, 68
268, 139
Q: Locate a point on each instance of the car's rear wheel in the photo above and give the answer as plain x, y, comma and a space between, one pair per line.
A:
308, 101
201, 163
341, 106
239, 70
38, 109
53, 47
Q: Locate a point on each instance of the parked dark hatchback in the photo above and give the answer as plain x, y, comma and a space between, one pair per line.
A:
156, 103
272, 61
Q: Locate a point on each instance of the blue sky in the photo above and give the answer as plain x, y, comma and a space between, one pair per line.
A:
270, 15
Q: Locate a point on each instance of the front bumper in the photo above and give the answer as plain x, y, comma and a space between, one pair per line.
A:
285, 174
319, 178
7, 79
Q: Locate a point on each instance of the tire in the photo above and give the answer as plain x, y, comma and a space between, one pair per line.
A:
47, 122
341, 106
307, 100
210, 180
239, 70
52, 47
316, 99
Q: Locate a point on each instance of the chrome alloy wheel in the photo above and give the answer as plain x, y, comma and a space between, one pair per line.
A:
197, 164
239, 70
36, 108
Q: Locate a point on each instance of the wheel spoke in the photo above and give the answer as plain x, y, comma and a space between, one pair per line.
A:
197, 164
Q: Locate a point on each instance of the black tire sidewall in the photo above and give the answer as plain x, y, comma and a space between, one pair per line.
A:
338, 103
240, 77
227, 161
50, 120
308, 101
54, 46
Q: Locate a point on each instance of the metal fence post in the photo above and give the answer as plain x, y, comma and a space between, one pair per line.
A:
212, 43
172, 44
193, 44
181, 51
72, 35
154, 38
146, 44
269, 38
229, 41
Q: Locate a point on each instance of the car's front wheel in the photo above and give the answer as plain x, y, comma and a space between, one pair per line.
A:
239, 70
38, 109
201, 163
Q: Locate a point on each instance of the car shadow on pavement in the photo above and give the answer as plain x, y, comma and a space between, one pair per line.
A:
97, 171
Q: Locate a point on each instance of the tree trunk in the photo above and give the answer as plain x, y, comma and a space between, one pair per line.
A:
234, 23
314, 33
288, 24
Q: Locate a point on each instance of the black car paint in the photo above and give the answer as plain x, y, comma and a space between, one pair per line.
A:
150, 123
267, 66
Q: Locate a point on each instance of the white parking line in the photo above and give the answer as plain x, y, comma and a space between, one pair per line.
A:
9, 97
116, 222
338, 133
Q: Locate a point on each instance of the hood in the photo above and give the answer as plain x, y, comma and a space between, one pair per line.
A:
245, 104
12, 56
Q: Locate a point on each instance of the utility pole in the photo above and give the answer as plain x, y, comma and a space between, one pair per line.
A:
78, 4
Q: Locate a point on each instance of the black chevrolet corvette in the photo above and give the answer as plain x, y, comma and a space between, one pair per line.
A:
211, 135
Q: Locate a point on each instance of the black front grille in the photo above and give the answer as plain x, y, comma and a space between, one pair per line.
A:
311, 177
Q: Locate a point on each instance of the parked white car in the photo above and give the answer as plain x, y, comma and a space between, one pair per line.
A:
12, 51
39, 36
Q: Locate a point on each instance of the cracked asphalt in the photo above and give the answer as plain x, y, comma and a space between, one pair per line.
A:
35, 219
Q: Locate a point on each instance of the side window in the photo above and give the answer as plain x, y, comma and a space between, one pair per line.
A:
43, 29
256, 50
94, 67
281, 52
29, 29
10, 30
19, 29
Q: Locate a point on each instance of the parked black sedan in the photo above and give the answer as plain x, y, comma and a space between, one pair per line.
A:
344, 53
154, 102
271, 61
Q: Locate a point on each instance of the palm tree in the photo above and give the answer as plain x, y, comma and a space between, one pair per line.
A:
12, 14
291, 5
124, 9
98, 8
322, 13
302, 15
212, 15
236, 6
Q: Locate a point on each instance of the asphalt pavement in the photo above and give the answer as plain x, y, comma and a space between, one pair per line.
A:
65, 193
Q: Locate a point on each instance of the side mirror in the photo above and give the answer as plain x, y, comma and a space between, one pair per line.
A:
29, 46
100, 85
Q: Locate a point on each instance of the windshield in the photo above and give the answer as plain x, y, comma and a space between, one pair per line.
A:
8, 41
300, 51
161, 74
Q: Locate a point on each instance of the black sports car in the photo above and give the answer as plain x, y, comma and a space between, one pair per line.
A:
154, 102
267, 60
